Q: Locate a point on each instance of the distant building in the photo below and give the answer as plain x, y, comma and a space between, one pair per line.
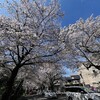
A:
67, 81
89, 76
73, 79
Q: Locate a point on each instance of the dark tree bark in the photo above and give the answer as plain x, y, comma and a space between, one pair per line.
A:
51, 87
9, 87
18, 91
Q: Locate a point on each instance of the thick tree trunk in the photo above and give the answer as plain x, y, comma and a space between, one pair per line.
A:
17, 92
52, 87
9, 87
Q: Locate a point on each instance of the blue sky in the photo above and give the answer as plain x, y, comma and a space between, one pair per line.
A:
74, 9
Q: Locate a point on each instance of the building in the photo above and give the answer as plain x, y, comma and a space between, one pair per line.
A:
72, 80
89, 76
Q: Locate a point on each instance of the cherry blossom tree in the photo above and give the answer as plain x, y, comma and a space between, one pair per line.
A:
49, 75
84, 40
29, 36
54, 77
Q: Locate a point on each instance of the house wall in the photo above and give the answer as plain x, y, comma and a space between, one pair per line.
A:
91, 76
